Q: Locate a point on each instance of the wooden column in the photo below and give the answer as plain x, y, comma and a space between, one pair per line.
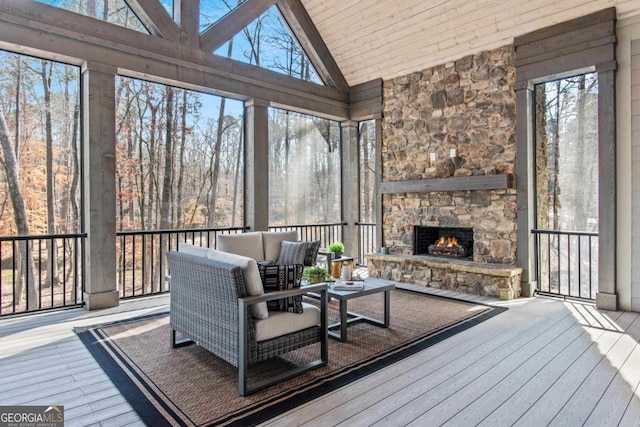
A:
350, 187
256, 148
525, 184
99, 164
607, 297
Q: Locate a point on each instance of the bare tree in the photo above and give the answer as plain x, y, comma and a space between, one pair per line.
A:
20, 217
52, 267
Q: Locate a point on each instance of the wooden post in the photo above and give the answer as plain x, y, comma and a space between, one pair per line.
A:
525, 194
257, 164
350, 196
99, 164
607, 297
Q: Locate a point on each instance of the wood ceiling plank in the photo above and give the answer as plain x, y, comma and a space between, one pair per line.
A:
387, 39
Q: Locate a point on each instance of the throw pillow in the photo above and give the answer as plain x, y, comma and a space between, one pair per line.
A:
279, 278
250, 274
312, 253
292, 252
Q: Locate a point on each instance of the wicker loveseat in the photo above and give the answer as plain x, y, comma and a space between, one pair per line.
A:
210, 306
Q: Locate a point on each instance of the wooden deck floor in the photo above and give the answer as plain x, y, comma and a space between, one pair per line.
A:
543, 362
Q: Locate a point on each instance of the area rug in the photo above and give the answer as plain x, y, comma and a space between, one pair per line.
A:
191, 386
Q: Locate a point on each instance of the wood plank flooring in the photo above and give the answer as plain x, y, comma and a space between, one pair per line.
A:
542, 362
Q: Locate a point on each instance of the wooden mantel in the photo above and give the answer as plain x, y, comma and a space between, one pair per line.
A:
454, 183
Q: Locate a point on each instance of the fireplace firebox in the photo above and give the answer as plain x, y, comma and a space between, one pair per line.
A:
452, 242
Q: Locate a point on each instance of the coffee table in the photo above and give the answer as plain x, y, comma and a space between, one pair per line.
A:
347, 317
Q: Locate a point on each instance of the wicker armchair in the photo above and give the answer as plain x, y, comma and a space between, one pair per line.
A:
209, 306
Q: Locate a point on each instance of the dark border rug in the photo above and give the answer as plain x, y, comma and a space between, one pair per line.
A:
191, 386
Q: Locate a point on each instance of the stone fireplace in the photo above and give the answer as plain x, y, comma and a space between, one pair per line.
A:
448, 159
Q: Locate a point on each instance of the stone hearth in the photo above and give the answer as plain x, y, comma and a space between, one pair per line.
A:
463, 276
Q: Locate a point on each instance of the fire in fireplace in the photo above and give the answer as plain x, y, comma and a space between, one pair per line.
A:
448, 246
454, 242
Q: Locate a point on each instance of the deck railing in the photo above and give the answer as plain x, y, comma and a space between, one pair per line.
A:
326, 233
41, 272
141, 263
366, 240
567, 263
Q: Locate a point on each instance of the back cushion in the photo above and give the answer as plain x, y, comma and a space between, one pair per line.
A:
188, 249
271, 241
292, 252
245, 244
250, 274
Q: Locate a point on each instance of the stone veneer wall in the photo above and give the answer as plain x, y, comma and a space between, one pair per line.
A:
467, 105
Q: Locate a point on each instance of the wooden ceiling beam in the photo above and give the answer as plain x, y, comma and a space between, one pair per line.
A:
50, 32
232, 23
187, 16
155, 18
307, 34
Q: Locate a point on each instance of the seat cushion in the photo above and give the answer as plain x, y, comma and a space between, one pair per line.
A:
292, 252
188, 249
271, 242
279, 278
250, 274
281, 322
245, 244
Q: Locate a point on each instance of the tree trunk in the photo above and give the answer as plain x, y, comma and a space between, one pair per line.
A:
165, 202
211, 220
183, 143
20, 217
215, 172
236, 179
579, 204
165, 220
52, 261
18, 137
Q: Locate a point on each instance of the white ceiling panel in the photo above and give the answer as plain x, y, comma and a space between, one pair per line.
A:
384, 39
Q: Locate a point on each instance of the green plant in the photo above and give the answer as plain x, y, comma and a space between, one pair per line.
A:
336, 247
316, 273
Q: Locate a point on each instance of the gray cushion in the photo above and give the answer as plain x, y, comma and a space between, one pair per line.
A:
250, 274
292, 253
245, 244
271, 242
281, 323
188, 249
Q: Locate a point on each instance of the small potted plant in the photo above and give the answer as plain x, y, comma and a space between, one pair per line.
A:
316, 274
337, 248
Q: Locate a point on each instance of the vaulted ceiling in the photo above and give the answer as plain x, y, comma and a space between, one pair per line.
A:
372, 38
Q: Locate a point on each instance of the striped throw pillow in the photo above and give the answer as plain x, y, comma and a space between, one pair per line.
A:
292, 252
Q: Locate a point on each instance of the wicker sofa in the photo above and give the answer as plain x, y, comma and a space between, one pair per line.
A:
210, 305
